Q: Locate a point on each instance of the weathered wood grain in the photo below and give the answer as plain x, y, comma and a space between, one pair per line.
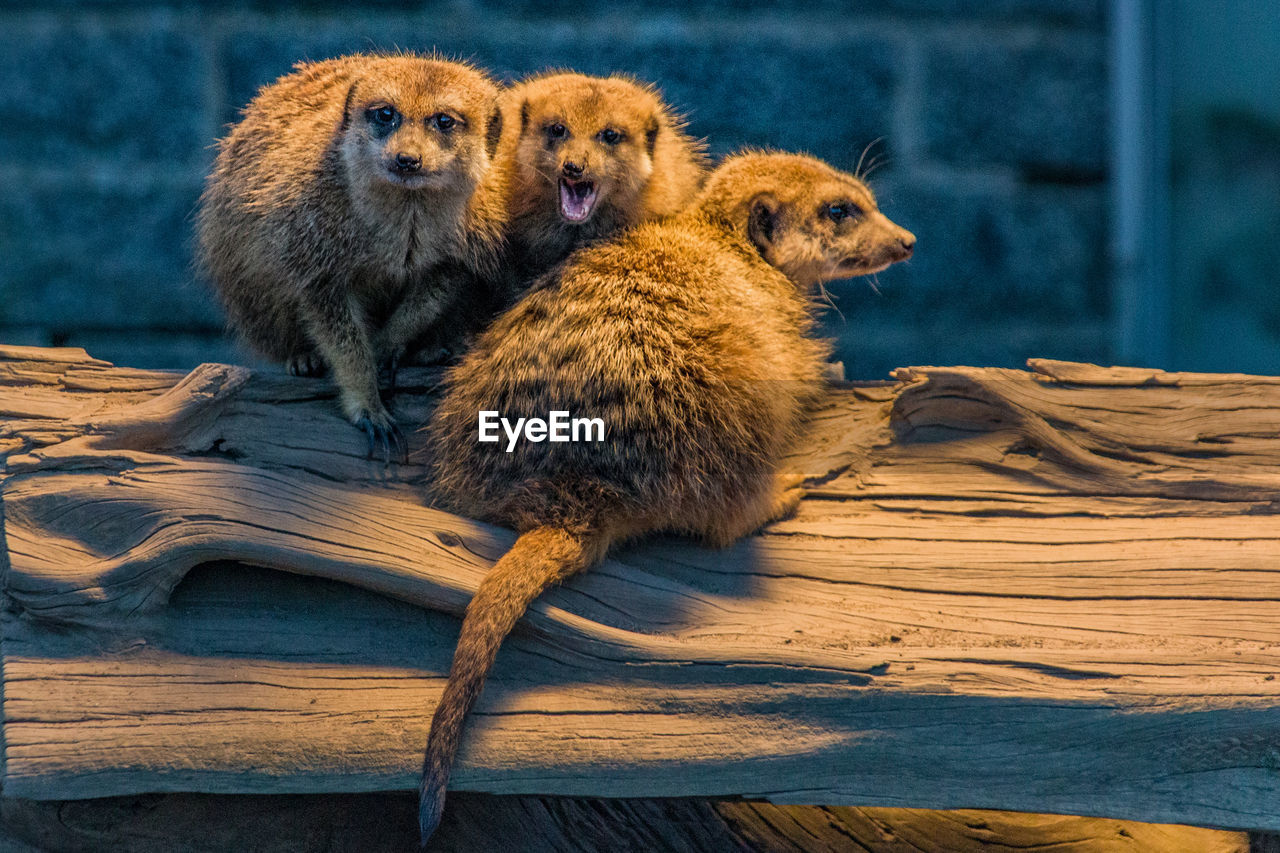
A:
374, 823
1050, 591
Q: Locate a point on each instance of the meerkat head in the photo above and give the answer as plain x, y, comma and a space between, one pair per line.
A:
414, 123
586, 144
811, 221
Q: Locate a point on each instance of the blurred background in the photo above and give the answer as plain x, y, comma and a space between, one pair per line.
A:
1096, 180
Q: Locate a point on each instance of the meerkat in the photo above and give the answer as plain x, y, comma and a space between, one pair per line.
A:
587, 157
691, 339
348, 209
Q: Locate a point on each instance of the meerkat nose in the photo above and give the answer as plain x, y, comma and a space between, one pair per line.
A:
408, 162
907, 241
571, 169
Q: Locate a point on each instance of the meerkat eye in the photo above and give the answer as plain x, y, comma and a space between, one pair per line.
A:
384, 115
609, 136
557, 130
443, 121
840, 211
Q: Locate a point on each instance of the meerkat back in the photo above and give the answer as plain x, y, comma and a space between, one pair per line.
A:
690, 340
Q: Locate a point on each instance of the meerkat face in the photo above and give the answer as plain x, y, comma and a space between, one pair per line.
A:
418, 125
587, 144
816, 224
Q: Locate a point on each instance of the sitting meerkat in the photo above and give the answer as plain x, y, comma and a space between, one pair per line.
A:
348, 210
691, 340
587, 157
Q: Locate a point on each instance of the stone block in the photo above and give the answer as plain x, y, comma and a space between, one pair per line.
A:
827, 95
83, 90
86, 255
1041, 107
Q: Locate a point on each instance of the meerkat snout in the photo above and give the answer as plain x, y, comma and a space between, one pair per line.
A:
408, 163
900, 242
900, 245
579, 189
408, 159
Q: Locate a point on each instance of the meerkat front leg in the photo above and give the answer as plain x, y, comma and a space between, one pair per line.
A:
340, 332
419, 310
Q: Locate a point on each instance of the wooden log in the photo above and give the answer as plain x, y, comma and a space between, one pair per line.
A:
361, 823
1051, 590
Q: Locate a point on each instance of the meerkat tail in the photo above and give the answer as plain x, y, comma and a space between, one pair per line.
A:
538, 560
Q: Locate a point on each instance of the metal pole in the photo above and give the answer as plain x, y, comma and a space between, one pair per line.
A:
1140, 184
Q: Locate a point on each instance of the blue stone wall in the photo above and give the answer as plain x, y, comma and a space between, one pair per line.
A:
991, 120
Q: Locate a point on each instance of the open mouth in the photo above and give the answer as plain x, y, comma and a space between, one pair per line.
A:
577, 199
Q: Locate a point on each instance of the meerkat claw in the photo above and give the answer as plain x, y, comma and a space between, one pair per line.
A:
306, 364
383, 437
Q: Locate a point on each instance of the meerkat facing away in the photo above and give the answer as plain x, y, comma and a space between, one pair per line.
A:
690, 339
586, 157
347, 210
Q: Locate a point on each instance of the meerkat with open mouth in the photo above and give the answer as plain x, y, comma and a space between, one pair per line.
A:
586, 157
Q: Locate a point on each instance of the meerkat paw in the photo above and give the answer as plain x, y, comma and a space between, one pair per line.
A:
783, 482
787, 496
785, 504
766, 508
306, 364
383, 433
433, 356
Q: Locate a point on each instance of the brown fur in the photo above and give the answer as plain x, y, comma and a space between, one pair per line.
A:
324, 252
690, 338
653, 171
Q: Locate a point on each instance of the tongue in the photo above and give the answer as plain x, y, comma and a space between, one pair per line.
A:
577, 198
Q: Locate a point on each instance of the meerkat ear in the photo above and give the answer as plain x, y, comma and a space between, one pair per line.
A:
762, 220
493, 132
651, 135
346, 108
